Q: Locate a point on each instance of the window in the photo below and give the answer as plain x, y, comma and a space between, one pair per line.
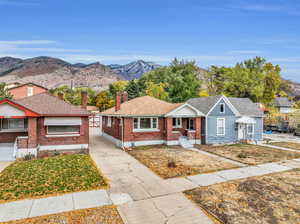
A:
29, 91
177, 122
250, 129
63, 129
145, 123
16, 124
108, 121
220, 126
222, 108
190, 124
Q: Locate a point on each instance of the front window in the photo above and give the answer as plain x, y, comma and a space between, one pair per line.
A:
29, 91
222, 108
250, 129
145, 123
190, 124
13, 124
176, 122
63, 129
221, 126
108, 121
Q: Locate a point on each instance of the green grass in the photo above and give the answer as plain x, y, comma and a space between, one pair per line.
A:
49, 176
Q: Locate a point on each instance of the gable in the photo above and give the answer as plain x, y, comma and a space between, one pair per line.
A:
185, 111
7, 110
217, 112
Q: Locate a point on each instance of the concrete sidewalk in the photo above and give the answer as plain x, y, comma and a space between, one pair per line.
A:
44, 206
278, 147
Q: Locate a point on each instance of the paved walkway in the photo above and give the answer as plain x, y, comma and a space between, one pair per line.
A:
44, 206
151, 200
3, 165
278, 147
281, 137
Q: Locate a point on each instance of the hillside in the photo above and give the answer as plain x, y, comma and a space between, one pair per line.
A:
52, 72
134, 69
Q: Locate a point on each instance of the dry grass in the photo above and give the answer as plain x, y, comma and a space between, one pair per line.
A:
258, 200
49, 176
250, 154
103, 215
187, 162
290, 145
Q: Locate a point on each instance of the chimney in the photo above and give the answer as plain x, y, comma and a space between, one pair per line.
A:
125, 97
84, 99
118, 101
60, 95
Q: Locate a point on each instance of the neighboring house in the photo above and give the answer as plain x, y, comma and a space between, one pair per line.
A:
208, 120
147, 121
26, 90
283, 104
229, 120
43, 123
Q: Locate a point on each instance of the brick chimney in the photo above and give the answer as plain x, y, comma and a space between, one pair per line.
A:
118, 101
84, 99
60, 95
125, 97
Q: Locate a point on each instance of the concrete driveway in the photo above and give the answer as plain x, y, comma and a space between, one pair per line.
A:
282, 137
144, 197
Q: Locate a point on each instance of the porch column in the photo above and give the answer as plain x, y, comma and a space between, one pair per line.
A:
198, 127
32, 132
168, 128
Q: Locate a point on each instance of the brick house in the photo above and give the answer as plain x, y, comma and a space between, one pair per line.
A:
42, 123
26, 90
146, 121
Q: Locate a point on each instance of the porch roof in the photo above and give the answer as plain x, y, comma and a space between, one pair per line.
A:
246, 120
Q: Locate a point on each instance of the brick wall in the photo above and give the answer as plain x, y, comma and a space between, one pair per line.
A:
21, 92
115, 130
22, 143
9, 137
82, 139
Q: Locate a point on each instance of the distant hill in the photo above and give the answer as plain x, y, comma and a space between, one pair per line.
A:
53, 72
134, 69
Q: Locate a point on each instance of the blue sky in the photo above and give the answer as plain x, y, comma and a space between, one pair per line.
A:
214, 32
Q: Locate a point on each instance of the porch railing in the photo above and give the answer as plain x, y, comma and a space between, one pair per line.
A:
15, 148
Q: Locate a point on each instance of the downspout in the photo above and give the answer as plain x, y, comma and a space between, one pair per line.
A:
122, 133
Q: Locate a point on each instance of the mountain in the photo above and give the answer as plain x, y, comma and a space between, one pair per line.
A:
53, 72
134, 69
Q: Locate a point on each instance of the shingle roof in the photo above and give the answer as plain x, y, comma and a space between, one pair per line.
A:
143, 106
204, 104
246, 107
282, 102
243, 105
47, 104
28, 83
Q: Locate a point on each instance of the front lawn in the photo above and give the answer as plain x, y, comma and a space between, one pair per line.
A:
49, 176
257, 200
187, 162
290, 145
250, 154
103, 215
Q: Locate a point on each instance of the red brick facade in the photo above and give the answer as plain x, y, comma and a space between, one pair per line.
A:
166, 131
22, 91
37, 135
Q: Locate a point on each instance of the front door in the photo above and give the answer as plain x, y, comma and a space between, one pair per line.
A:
203, 131
242, 131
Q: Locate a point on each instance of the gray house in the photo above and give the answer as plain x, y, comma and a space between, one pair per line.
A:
228, 120
283, 104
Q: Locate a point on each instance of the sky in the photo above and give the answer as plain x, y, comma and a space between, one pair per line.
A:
214, 32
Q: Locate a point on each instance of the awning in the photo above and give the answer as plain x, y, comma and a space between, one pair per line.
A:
246, 120
62, 121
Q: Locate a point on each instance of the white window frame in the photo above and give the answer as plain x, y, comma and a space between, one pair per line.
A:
250, 125
62, 133
29, 91
224, 127
139, 129
222, 104
108, 121
189, 124
9, 129
178, 121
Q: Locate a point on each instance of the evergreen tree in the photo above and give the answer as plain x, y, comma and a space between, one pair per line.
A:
4, 93
133, 89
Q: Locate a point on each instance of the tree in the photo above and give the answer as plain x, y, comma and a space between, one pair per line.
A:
118, 86
156, 90
179, 80
4, 93
296, 104
203, 93
133, 89
104, 101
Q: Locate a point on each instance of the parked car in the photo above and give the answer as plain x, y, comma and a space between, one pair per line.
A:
297, 130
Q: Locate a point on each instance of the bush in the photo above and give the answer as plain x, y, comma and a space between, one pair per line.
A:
29, 157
